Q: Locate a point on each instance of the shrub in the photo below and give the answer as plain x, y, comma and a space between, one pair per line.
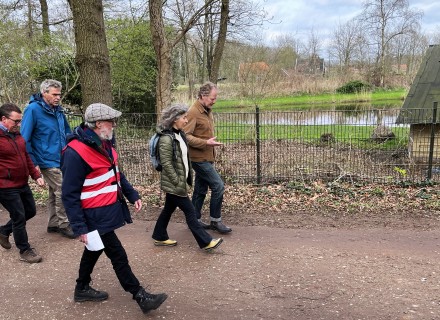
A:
355, 86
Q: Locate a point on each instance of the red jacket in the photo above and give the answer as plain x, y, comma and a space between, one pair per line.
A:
15, 163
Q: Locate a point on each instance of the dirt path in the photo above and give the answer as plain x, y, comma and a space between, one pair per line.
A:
258, 273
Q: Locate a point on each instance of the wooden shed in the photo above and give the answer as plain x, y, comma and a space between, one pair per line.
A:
417, 109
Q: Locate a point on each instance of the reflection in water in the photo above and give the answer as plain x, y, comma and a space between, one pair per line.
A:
336, 116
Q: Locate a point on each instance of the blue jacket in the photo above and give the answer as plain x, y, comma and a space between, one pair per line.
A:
75, 170
44, 129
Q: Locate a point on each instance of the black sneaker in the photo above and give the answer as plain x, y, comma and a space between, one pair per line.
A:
53, 229
148, 301
67, 232
89, 294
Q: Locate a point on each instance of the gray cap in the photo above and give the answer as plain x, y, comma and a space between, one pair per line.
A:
100, 111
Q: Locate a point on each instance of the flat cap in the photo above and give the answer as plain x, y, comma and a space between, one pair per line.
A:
100, 111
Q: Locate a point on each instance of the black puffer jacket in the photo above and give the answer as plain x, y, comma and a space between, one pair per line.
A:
173, 175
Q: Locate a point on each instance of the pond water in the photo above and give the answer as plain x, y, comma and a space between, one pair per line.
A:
357, 115
335, 117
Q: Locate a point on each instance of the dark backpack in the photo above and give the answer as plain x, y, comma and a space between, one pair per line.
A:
153, 148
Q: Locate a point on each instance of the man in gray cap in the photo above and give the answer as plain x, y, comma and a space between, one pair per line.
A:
93, 193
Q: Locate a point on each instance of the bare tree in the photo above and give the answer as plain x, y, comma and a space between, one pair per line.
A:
164, 42
220, 43
385, 20
344, 44
92, 55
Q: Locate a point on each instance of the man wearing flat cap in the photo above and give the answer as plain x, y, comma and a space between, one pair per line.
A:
93, 193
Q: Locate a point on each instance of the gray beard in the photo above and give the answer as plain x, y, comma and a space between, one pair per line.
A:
104, 137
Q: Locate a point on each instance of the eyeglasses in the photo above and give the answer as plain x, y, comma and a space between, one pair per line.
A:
16, 121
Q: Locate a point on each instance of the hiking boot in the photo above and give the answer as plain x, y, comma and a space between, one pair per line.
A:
148, 301
53, 229
4, 241
220, 227
30, 256
67, 232
166, 243
89, 294
213, 244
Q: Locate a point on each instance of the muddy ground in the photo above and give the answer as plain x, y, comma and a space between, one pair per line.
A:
320, 260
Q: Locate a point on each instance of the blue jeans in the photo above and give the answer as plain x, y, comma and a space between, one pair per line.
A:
207, 177
20, 204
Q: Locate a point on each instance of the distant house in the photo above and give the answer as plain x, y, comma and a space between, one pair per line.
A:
312, 65
417, 109
252, 71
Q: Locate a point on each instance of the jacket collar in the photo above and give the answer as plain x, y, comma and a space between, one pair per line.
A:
201, 107
37, 97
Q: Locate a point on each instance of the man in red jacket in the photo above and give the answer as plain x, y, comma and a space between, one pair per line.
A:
15, 193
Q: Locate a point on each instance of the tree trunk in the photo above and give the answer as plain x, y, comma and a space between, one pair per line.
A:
45, 20
221, 39
163, 53
92, 55
30, 20
205, 45
188, 74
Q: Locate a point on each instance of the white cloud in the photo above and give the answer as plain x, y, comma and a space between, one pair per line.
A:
299, 17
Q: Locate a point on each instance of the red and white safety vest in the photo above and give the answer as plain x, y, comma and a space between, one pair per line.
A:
100, 187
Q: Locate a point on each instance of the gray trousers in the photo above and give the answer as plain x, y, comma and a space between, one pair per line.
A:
57, 214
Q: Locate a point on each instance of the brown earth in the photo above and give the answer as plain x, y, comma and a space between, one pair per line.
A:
363, 253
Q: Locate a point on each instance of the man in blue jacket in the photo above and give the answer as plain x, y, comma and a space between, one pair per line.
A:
44, 128
93, 193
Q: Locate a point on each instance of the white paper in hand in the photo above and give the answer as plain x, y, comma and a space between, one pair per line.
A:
94, 242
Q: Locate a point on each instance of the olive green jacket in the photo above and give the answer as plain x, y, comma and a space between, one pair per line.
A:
173, 176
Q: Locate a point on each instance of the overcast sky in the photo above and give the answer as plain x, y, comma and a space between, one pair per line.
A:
299, 17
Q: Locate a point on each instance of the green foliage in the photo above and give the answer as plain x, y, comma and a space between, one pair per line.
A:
377, 191
58, 62
301, 187
133, 65
401, 171
15, 48
355, 86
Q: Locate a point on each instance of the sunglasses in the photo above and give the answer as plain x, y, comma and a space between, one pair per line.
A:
16, 121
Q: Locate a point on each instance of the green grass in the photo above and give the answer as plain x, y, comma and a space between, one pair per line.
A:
301, 102
356, 136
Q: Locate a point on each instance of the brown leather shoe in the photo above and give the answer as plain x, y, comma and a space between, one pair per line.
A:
4, 241
220, 227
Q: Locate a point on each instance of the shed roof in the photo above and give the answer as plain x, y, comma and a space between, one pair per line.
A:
418, 105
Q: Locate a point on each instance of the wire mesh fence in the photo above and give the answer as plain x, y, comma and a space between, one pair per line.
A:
327, 145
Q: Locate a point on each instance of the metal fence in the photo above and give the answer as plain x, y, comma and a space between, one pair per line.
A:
328, 145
